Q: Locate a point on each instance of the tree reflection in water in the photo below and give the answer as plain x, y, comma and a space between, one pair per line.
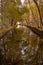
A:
23, 49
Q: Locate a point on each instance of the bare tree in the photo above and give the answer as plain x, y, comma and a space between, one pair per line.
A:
39, 12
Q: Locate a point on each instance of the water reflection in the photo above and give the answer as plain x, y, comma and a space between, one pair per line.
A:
26, 49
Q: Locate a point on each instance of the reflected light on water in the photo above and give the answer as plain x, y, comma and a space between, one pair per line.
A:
22, 51
18, 26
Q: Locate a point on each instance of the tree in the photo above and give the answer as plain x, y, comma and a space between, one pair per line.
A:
36, 31
15, 10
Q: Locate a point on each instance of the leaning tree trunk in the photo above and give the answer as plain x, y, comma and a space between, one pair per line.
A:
39, 11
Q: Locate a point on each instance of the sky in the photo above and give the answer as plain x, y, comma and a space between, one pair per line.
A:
22, 1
